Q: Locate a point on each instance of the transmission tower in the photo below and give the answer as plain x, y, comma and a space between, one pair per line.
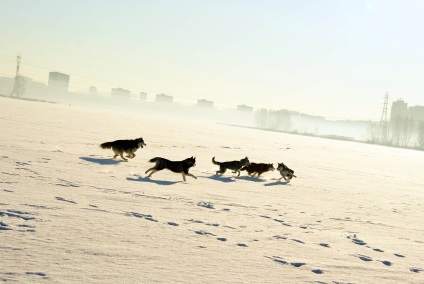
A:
382, 129
17, 87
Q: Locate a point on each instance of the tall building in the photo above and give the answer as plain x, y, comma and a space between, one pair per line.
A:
143, 96
244, 108
92, 89
162, 98
399, 109
204, 103
416, 113
58, 81
119, 92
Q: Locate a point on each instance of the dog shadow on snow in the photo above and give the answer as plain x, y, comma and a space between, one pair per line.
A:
159, 182
277, 182
255, 179
248, 178
219, 178
101, 161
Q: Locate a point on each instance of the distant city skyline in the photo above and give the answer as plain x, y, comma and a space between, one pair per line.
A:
328, 58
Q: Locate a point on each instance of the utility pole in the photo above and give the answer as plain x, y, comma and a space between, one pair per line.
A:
17, 87
382, 129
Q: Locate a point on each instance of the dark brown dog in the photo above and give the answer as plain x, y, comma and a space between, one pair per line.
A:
232, 165
285, 172
174, 166
257, 169
121, 146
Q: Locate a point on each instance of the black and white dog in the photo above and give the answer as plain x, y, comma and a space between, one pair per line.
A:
285, 172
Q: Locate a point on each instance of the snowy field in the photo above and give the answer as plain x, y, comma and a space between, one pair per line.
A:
70, 213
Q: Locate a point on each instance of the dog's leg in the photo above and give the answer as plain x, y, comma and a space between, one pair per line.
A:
191, 175
238, 173
130, 154
153, 171
221, 171
183, 176
122, 156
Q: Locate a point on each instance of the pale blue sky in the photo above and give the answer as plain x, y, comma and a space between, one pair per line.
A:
331, 58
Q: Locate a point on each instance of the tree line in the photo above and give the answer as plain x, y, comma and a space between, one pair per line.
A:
402, 131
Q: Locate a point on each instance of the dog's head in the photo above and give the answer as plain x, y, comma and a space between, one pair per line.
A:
140, 142
245, 162
286, 170
191, 161
281, 167
271, 167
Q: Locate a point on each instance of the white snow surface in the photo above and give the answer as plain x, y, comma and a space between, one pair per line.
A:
69, 213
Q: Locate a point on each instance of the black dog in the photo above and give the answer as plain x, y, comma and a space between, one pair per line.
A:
121, 146
257, 169
174, 166
232, 165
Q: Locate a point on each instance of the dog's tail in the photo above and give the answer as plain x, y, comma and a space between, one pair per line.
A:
215, 162
106, 145
154, 160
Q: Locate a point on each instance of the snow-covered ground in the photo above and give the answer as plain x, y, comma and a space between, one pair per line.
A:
70, 213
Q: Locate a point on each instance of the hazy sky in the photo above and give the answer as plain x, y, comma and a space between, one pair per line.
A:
331, 58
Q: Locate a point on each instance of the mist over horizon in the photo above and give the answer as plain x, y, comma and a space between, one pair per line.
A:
330, 59
242, 115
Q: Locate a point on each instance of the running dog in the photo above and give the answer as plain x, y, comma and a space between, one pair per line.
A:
285, 172
233, 165
174, 166
121, 146
257, 169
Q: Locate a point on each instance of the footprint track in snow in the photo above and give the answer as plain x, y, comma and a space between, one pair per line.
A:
280, 260
65, 200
